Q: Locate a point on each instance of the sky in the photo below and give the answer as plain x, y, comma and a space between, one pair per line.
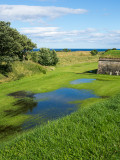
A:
65, 23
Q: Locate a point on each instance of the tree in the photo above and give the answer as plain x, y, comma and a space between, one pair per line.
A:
13, 45
47, 57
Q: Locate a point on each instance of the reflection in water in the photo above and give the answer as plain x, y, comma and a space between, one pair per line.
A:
50, 105
25, 105
21, 94
83, 80
47, 106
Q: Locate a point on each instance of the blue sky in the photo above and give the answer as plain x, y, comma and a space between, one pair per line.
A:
65, 23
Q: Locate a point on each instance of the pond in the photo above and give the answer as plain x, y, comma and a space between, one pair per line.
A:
83, 80
48, 106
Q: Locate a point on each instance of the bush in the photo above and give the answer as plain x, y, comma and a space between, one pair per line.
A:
114, 49
66, 50
33, 56
47, 57
94, 52
6, 64
107, 50
6, 68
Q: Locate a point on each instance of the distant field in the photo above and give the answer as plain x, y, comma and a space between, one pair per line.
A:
70, 58
111, 54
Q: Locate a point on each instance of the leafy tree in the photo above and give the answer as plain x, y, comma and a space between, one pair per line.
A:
13, 45
94, 52
47, 57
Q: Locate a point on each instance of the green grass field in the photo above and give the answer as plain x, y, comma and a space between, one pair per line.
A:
92, 132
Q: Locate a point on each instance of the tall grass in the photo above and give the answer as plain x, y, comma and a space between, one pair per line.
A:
71, 58
23, 69
1, 76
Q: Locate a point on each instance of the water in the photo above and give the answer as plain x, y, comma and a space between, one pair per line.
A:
48, 106
89, 49
73, 50
83, 80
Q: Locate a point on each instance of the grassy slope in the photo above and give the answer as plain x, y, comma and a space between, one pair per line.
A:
93, 126
23, 69
112, 54
91, 133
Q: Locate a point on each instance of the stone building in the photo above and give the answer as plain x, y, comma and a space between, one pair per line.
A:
109, 66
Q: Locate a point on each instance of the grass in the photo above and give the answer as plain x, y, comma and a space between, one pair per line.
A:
36, 84
2, 76
90, 133
112, 54
71, 58
29, 68
105, 86
23, 69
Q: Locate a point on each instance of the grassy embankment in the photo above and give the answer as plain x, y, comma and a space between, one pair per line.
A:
90, 133
111, 54
22, 69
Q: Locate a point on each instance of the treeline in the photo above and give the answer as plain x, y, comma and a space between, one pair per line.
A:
17, 47
65, 50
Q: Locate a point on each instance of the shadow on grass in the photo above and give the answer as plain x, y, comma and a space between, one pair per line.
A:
91, 71
6, 131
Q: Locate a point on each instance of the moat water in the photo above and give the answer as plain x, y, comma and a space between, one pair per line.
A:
44, 107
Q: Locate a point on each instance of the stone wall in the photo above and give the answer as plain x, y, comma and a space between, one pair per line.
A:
109, 66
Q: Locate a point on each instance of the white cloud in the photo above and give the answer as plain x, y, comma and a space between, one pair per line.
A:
54, 31
32, 13
97, 34
56, 34
37, 30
